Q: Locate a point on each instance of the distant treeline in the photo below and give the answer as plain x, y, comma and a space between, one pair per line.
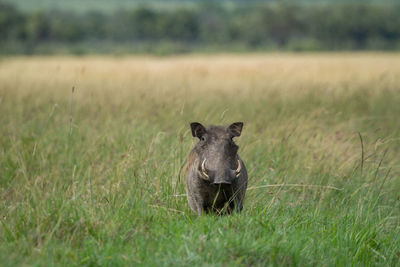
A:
271, 26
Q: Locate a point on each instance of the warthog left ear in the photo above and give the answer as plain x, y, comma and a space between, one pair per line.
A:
235, 129
198, 130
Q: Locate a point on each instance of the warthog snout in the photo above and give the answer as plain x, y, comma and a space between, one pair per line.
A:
221, 183
221, 174
214, 165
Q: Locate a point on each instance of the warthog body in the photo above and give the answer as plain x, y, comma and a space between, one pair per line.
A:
216, 177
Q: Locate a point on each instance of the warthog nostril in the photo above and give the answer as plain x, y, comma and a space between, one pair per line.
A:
222, 183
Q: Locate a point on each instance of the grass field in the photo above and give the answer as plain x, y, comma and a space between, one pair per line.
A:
104, 6
107, 6
94, 175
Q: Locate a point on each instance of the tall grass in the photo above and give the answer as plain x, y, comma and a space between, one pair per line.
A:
95, 175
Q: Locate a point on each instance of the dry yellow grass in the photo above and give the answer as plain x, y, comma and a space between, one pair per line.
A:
181, 80
288, 73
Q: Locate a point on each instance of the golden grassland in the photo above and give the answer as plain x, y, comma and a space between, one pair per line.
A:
85, 138
182, 81
244, 73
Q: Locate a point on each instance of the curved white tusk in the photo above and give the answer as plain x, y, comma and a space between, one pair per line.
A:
203, 170
239, 168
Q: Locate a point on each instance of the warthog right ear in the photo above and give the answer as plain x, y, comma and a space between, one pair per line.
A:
198, 130
235, 129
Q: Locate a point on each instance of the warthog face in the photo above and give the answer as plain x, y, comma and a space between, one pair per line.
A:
216, 176
217, 152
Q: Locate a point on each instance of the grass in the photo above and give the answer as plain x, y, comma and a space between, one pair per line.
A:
103, 6
93, 176
110, 6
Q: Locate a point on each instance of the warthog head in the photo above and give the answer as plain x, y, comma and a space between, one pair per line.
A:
217, 152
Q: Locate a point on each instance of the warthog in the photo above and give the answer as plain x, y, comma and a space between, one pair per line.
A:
216, 178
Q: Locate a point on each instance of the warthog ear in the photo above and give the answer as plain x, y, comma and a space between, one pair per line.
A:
235, 129
198, 130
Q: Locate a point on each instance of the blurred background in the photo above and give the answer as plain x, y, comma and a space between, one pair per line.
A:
182, 26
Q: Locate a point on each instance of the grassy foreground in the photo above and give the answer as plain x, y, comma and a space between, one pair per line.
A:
94, 175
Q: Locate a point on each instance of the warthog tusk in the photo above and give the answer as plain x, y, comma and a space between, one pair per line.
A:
239, 168
203, 170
